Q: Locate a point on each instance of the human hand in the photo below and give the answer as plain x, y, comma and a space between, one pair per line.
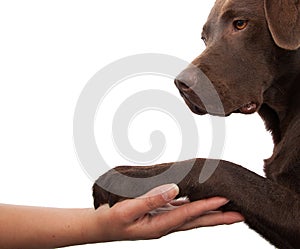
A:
156, 214
150, 216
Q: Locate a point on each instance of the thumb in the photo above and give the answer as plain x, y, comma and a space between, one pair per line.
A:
165, 193
153, 199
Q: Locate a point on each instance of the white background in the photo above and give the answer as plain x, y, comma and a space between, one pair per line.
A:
49, 50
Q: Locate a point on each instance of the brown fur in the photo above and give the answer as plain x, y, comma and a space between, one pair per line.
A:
259, 64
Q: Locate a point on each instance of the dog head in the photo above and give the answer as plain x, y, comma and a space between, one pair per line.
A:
247, 42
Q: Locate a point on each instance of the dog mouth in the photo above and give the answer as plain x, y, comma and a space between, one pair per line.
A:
249, 108
193, 107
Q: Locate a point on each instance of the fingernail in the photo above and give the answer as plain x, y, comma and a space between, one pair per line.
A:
237, 216
169, 191
222, 201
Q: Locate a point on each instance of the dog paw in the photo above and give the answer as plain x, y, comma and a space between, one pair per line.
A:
126, 182
104, 189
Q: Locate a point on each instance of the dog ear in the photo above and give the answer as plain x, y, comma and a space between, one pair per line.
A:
283, 19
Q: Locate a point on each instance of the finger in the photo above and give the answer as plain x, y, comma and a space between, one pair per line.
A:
180, 201
157, 197
164, 209
213, 219
177, 218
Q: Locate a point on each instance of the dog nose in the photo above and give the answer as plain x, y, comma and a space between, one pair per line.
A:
187, 79
181, 85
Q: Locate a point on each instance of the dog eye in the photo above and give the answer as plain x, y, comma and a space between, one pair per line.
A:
240, 24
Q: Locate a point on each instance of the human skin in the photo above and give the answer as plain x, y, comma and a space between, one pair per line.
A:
41, 227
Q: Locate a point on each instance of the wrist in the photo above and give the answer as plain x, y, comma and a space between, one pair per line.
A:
94, 226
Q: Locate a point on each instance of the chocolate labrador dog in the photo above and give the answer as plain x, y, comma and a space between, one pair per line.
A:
252, 60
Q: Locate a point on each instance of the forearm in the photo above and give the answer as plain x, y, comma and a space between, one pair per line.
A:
36, 227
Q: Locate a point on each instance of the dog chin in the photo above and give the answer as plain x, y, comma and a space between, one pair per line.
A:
249, 108
245, 109
197, 110
202, 111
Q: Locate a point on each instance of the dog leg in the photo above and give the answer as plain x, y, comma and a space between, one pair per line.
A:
270, 209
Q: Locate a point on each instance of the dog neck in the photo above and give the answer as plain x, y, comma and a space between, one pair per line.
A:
279, 109
281, 113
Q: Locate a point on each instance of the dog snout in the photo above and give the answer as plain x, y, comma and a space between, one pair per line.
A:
183, 87
187, 79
